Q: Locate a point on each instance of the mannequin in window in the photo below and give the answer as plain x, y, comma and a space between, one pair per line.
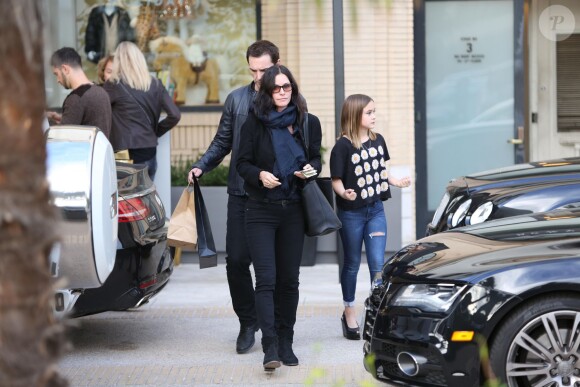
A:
108, 25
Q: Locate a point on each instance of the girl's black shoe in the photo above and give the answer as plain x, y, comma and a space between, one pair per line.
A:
349, 333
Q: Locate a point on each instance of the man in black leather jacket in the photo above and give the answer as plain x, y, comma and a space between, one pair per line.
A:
260, 56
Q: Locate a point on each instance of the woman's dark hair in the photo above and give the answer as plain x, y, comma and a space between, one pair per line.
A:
264, 100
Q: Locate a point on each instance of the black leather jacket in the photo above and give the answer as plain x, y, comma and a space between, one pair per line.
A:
227, 137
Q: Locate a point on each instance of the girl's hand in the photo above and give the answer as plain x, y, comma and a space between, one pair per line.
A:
401, 183
348, 194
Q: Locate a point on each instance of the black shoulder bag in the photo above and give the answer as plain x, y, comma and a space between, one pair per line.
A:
320, 218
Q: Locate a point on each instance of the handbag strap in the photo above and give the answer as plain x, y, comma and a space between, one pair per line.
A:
305, 132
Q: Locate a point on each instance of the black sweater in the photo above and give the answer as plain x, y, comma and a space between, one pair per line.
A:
257, 152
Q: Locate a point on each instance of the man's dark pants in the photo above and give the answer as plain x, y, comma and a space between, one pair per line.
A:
238, 262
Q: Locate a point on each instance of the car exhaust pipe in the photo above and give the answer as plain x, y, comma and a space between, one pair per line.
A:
410, 364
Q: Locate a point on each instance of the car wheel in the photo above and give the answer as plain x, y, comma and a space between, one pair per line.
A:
539, 344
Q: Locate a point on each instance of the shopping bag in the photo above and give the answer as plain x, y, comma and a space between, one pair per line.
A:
182, 231
205, 242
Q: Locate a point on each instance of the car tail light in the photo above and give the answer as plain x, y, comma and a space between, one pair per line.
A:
132, 209
148, 283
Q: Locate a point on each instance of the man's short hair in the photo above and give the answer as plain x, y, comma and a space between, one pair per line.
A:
263, 47
66, 55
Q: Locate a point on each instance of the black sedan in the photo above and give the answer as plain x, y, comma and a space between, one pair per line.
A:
510, 287
515, 190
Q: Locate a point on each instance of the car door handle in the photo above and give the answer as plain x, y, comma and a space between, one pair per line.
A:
515, 141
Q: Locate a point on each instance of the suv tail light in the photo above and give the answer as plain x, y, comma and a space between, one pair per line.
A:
132, 209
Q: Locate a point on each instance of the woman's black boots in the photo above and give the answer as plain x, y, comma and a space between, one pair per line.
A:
271, 357
285, 352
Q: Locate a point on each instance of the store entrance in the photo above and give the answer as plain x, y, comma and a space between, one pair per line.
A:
465, 76
554, 79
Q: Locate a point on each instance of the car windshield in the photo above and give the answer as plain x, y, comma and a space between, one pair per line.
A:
554, 167
542, 226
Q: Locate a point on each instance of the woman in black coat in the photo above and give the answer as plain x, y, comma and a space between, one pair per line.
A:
274, 163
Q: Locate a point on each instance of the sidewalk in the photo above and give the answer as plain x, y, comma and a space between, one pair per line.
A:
186, 337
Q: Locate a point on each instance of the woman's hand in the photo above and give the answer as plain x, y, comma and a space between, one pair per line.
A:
268, 180
306, 172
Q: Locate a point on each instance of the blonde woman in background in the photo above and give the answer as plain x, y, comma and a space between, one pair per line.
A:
137, 100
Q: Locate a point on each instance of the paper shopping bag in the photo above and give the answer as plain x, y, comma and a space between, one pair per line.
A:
182, 230
205, 243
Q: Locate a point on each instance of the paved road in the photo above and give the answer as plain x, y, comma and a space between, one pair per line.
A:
186, 337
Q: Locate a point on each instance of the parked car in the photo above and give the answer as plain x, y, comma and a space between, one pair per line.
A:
511, 284
113, 253
515, 190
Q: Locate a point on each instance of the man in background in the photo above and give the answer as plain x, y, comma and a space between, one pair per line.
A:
87, 104
261, 55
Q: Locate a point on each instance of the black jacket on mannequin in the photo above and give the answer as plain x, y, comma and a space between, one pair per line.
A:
96, 33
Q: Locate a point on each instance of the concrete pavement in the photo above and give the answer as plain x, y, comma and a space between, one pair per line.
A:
186, 337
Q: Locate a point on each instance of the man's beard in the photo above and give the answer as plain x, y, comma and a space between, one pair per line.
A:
65, 82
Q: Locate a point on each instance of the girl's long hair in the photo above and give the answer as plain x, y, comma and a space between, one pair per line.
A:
264, 100
351, 117
130, 67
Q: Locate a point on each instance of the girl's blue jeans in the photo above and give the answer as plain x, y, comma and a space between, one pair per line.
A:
367, 224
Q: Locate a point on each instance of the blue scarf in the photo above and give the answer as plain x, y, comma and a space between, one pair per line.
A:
290, 156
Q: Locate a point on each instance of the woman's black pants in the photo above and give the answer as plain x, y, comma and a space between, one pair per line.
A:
275, 233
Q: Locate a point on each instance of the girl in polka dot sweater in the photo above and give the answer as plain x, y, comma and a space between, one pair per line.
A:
358, 167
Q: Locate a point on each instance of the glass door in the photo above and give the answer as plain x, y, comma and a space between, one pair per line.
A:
465, 94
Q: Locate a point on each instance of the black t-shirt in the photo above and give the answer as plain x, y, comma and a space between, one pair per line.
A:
364, 170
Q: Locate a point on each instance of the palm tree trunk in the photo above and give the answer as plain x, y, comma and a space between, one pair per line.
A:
30, 338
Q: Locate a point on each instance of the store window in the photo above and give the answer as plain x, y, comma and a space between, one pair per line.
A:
196, 47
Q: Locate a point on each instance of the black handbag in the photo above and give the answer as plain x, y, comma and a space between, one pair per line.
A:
319, 216
325, 185
205, 242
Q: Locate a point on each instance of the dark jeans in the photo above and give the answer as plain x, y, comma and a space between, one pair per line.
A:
238, 262
275, 235
369, 225
150, 163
